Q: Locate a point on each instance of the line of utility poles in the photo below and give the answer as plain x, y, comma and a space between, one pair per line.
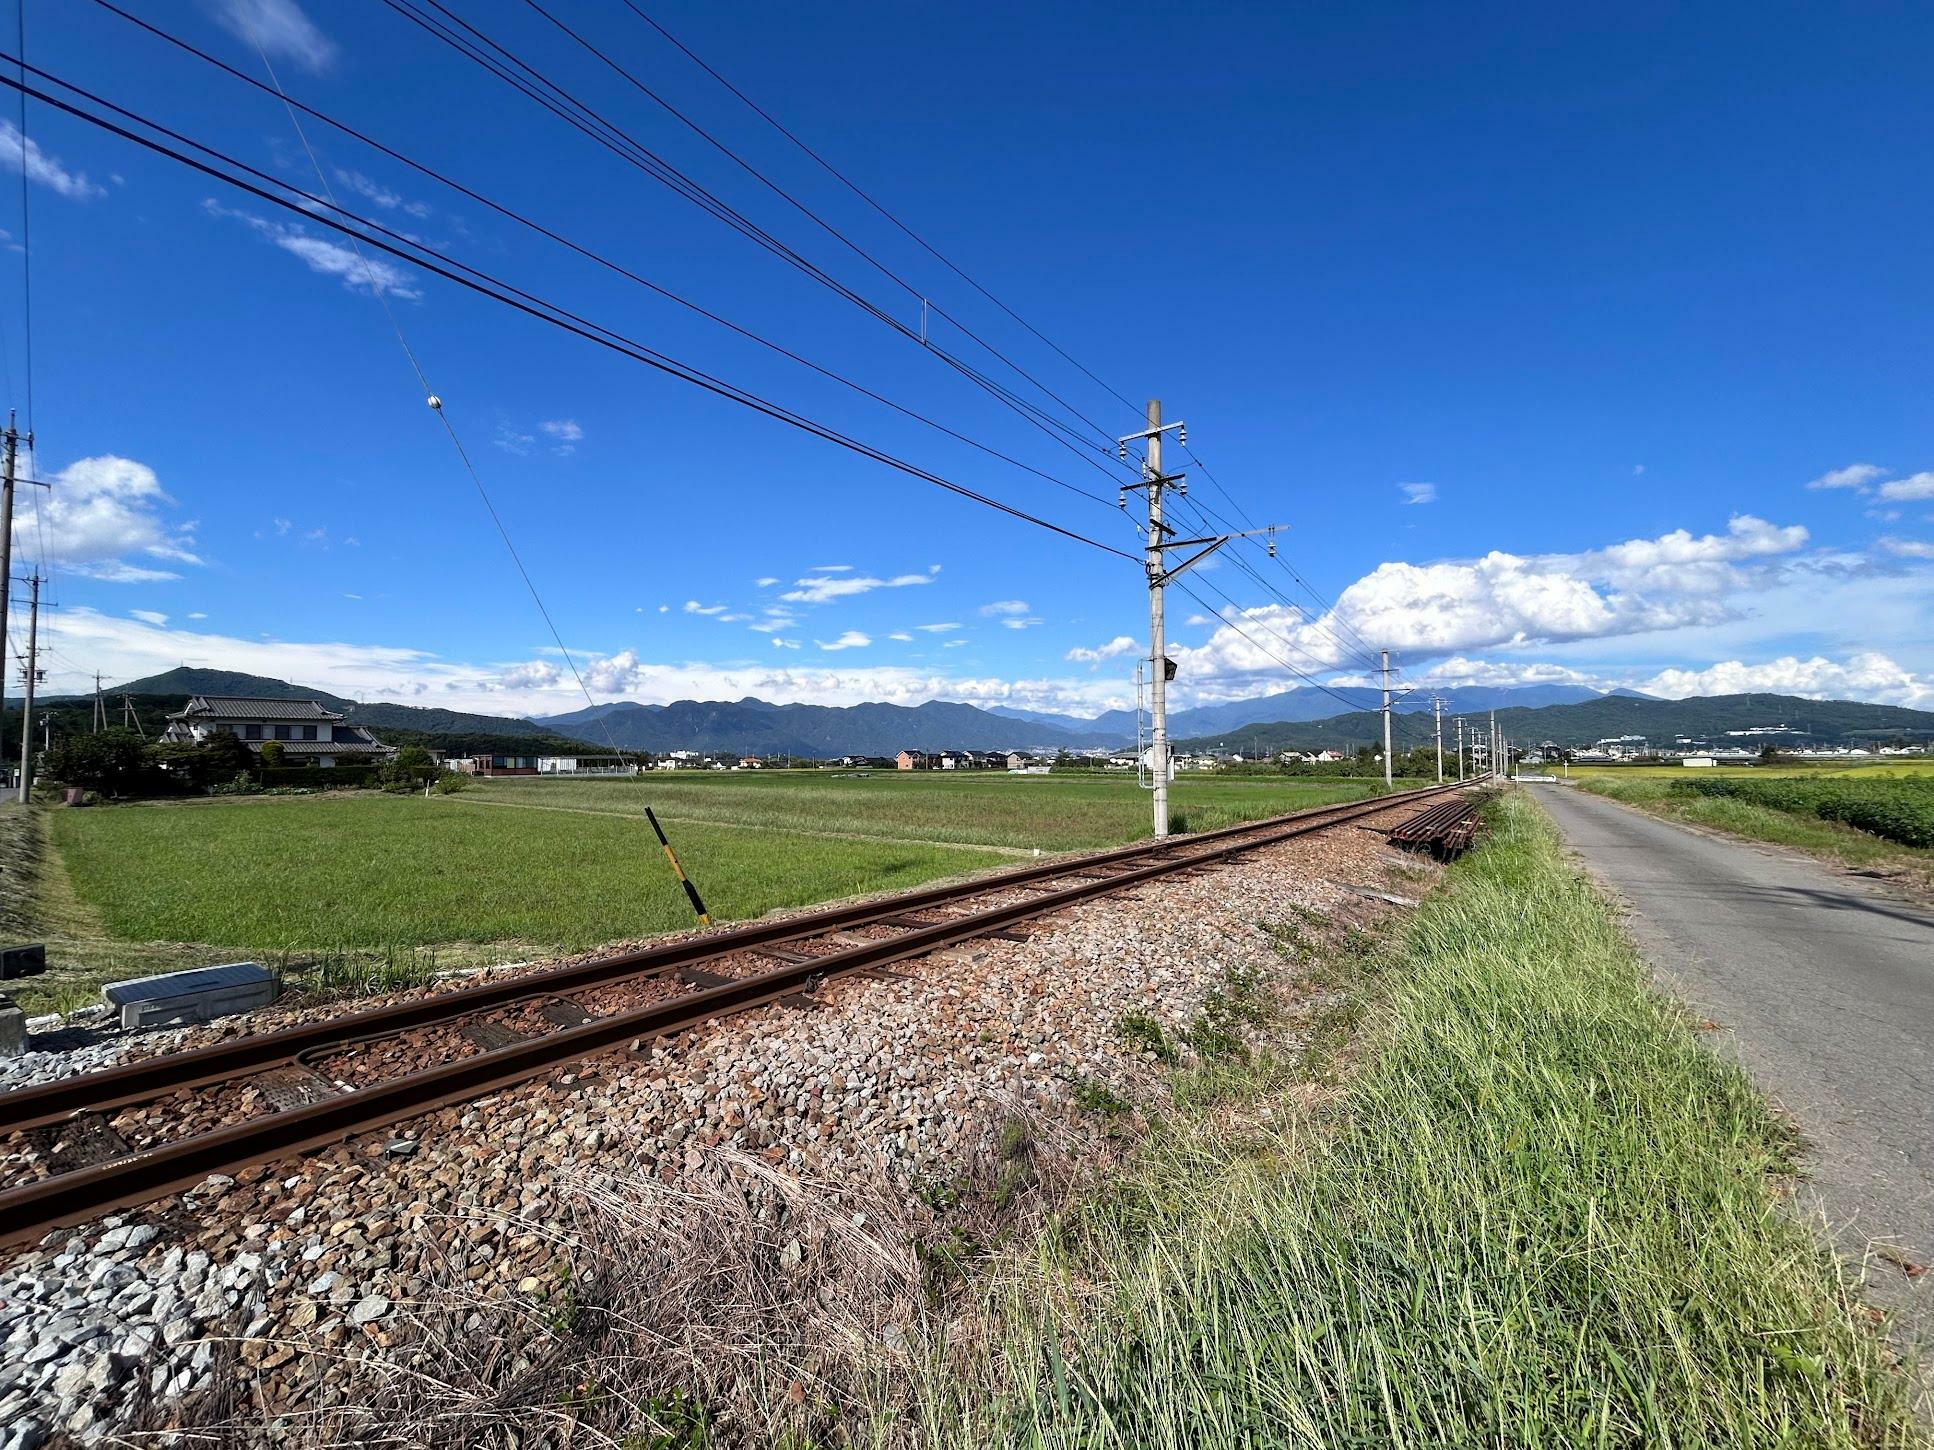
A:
1161, 538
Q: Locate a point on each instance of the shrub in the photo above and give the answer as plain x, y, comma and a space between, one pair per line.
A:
272, 754
1895, 809
114, 761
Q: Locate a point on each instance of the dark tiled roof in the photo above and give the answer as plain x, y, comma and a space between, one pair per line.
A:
326, 747
243, 707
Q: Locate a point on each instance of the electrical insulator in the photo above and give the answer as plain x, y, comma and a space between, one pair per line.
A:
436, 403
1121, 498
1122, 450
1183, 488
1182, 435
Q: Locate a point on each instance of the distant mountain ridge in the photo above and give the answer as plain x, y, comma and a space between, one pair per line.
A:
1827, 722
1301, 719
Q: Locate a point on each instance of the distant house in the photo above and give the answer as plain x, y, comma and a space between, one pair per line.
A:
1017, 761
307, 733
496, 765
913, 760
584, 765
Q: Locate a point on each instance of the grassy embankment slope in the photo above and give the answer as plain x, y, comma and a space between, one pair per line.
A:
520, 867
1755, 815
1537, 1212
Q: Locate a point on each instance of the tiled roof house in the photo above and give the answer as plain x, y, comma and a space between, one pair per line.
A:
308, 733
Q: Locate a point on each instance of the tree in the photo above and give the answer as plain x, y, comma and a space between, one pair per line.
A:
410, 766
112, 762
225, 756
271, 753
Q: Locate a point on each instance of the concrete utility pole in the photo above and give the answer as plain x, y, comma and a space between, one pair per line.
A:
100, 706
1492, 752
1437, 709
1157, 624
6, 563
1386, 719
1160, 538
27, 708
1460, 749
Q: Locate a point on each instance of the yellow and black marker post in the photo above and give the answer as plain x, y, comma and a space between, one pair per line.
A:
691, 891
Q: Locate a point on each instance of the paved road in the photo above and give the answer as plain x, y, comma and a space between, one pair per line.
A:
1826, 985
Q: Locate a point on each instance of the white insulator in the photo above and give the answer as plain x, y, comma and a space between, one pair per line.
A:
435, 402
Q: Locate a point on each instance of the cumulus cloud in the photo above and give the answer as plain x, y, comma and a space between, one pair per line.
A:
22, 154
836, 582
1908, 548
281, 28
102, 516
1856, 476
852, 639
1909, 490
365, 273
692, 606
1120, 645
765, 582
1419, 492
1866, 676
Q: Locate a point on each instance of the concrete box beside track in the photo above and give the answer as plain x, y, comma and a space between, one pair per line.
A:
199, 995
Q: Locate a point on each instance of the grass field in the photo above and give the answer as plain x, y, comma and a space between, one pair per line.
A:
1538, 1213
1909, 767
1911, 868
519, 867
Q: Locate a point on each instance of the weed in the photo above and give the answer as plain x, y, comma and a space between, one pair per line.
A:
1142, 1033
1096, 1097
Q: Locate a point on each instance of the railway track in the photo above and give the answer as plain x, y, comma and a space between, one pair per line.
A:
95, 1142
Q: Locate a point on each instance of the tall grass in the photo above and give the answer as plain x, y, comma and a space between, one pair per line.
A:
1538, 1213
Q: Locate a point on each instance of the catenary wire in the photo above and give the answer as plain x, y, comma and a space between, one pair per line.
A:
485, 285
590, 254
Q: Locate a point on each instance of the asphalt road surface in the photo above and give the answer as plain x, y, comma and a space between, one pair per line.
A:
1825, 985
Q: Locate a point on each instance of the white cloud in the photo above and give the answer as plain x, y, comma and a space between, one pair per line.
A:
99, 512
1004, 606
1869, 675
564, 430
902, 636
1027, 623
826, 587
1121, 644
852, 639
692, 606
20, 153
832, 569
1907, 548
281, 28
1909, 490
365, 273
766, 582
149, 616
1856, 476
1419, 492
198, 615
943, 628
375, 191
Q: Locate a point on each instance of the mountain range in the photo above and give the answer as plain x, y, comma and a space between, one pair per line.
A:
1301, 719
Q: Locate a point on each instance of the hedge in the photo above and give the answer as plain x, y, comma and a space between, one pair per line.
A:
320, 776
1896, 809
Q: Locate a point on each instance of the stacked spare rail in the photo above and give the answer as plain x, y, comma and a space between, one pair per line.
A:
1446, 830
94, 1142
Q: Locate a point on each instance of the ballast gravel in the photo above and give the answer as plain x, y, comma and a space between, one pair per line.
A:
278, 1288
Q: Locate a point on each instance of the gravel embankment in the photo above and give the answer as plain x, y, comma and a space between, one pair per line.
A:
273, 1293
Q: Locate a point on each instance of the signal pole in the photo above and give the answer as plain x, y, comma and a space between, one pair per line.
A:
27, 708
1386, 719
1161, 538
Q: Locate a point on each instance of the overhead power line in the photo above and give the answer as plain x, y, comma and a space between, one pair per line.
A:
484, 284
607, 133
588, 253
864, 196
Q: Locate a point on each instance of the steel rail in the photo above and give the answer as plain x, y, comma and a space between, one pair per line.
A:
137, 1177
153, 1077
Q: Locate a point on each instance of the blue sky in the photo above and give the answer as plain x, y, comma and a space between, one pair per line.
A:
1568, 344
